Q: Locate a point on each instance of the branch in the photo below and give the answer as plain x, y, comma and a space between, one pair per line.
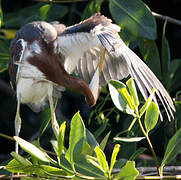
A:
167, 18
169, 172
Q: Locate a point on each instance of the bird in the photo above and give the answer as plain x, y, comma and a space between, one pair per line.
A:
44, 55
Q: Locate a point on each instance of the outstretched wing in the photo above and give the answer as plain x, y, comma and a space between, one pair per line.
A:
81, 45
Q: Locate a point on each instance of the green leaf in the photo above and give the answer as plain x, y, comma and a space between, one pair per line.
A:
165, 60
147, 103
51, 171
14, 166
91, 8
173, 148
151, 117
54, 144
39, 170
33, 150
150, 54
86, 168
44, 11
60, 139
81, 148
128, 139
97, 165
174, 75
104, 141
128, 172
102, 160
132, 90
77, 132
120, 97
113, 157
91, 139
33, 13
20, 159
134, 16
137, 153
46, 116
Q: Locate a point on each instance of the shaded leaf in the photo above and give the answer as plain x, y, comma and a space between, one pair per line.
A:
104, 141
150, 55
137, 153
97, 165
46, 117
134, 16
34, 13
165, 57
128, 171
173, 148
174, 75
82, 148
86, 168
91, 139
151, 117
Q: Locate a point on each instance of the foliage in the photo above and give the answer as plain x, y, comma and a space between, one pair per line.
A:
77, 161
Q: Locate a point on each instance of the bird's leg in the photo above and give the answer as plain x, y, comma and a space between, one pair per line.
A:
94, 84
55, 125
17, 121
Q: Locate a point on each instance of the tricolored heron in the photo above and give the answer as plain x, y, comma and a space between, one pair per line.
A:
43, 55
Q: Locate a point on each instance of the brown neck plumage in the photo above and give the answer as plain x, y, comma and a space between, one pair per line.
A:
50, 65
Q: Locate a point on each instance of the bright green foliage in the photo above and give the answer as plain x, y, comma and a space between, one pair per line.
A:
60, 139
113, 157
77, 132
128, 172
102, 160
133, 93
33, 150
120, 97
151, 117
78, 161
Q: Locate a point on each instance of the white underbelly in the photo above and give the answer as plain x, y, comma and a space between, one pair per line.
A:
32, 91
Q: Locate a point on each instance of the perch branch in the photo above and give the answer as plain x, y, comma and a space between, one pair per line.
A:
167, 18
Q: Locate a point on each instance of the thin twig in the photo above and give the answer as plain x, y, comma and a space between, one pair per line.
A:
151, 147
167, 18
7, 137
